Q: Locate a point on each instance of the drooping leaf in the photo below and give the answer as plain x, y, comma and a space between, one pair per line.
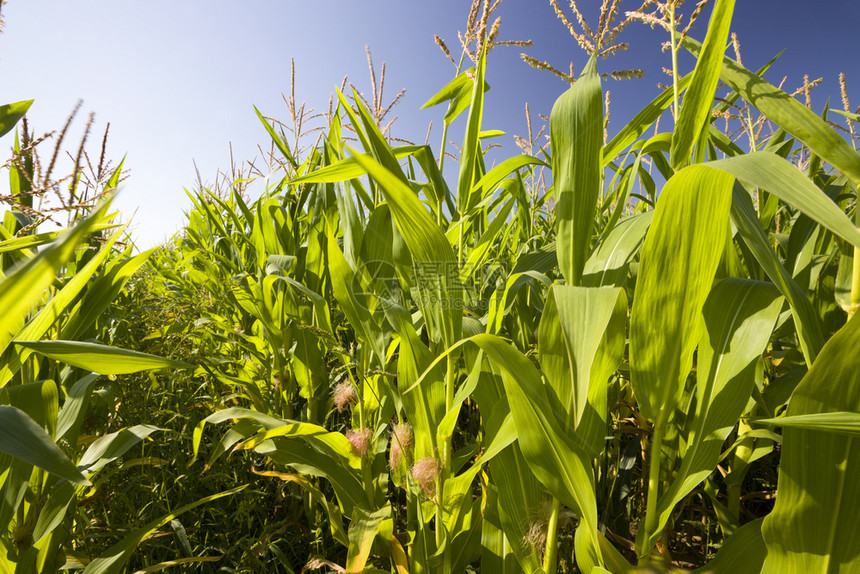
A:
789, 114
110, 447
770, 172
805, 317
458, 92
22, 438
101, 359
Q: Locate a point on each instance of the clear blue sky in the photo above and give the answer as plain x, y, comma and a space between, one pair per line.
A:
177, 79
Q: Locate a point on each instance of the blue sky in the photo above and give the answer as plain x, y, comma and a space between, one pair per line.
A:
177, 79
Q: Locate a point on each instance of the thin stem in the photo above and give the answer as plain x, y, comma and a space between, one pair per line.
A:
440, 523
367, 477
450, 383
855, 275
675, 47
739, 467
361, 422
460, 240
550, 557
653, 492
444, 123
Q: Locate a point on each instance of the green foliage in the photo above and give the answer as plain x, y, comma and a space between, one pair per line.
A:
413, 380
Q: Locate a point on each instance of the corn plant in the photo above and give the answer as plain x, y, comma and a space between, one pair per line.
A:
450, 374
55, 288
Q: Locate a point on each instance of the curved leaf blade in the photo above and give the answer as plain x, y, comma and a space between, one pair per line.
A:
101, 359
22, 438
813, 526
679, 261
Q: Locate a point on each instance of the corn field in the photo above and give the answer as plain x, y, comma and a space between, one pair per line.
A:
624, 350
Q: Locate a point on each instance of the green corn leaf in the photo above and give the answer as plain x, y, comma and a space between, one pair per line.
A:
241, 430
843, 423
576, 127
332, 511
362, 531
416, 368
742, 553
679, 260
695, 113
11, 243
356, 123
113, 561
333, 444
24, 286
739, 317
379, 148
813, 526
100, 293
610, 352
24, 439
458, 92
101, 359
110, 447
113, 181
437, 187
487, 242
770, 172
262, 419
559, 462
177, 562
279, 143
39, 400
440, 294
635, 128
497, 553
489, 134
805, 317
56, 307
587, 556
491, 180
571, 330
52, 514
472, 151
11, 113
607, 264
789, 114
342, 281
519, 495
308, 461
71, 415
